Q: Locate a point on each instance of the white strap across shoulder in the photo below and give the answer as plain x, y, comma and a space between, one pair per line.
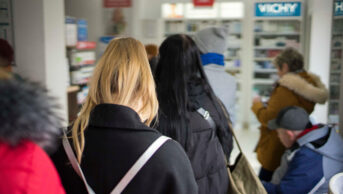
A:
139, 164
142, 160
74, 163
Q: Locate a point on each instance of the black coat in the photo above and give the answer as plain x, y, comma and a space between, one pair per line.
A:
205, 152
115, 138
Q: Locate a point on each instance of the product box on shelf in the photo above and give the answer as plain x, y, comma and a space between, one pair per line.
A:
79, 58
70, 31
82, 30
177, 27
85, 45
82, 75
82, 95
103, 42
234, 27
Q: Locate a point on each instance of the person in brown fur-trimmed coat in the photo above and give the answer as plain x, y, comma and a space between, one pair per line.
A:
296, 87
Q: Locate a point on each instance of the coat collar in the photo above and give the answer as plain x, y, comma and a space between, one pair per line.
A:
297, 83
116, 116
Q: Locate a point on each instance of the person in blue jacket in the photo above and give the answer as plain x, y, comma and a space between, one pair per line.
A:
314, 155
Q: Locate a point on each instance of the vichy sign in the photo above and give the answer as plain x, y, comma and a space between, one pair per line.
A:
278, 9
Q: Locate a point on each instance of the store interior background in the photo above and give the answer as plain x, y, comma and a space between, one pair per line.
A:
40, 47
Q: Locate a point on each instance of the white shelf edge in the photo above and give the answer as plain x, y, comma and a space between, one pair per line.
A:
173, 19
334, 84
269, 48
265, 71
234, 48
232, 58
277, 33
263, 59
338, 17
297, 18
203, 19
235, 33
333, 101
263, 82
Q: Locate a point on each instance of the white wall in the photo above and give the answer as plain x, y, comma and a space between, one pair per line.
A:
319, 56
147, 24
40, 45
56, 68
92, 11
29, 38
136, 16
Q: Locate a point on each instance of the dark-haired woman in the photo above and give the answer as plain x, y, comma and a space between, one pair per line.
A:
191, 114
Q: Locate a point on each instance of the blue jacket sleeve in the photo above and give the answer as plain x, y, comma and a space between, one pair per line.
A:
304, 172
270, 187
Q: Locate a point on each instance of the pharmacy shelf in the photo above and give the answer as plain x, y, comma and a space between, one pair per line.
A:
278, 18
338, 17
174, 19
265, 71
71, 89
216, 19
172, 33
336, 60
277, 34
263, 82
337, 34
334, 84
258, 59
234, 48
333, 101
235, 33
336, 48
233, 69
231, 58
269, 48
335, 105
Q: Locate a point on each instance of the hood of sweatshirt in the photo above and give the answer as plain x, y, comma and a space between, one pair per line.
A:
333, 148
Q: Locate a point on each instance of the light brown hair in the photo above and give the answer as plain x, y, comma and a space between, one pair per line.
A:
122, 76
152, 50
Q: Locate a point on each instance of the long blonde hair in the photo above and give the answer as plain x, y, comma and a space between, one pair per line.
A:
122, 76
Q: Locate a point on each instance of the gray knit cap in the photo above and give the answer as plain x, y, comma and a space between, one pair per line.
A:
212, 40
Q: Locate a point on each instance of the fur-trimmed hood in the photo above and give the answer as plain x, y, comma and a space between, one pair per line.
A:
317, 93
27, 112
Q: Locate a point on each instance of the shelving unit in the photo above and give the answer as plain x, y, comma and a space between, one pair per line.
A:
259, 40
273, 32
336, 76
184, 18
81, 66
81, 61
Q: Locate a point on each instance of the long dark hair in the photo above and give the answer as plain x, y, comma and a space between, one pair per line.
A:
179, 64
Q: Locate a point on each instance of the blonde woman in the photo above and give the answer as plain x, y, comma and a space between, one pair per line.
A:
111, 131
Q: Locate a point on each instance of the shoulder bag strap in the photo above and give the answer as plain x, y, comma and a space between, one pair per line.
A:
143, 159
75, 164
229, 123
